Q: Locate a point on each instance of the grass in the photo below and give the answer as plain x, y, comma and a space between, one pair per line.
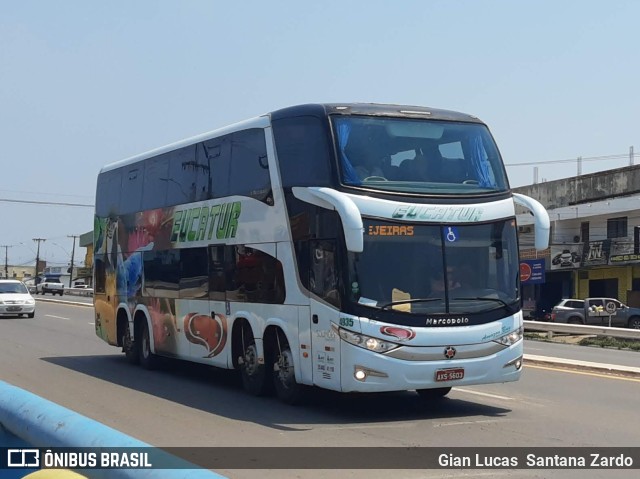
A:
597, 341
607, 342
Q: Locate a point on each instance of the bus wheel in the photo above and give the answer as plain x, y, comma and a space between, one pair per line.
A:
148, 360
433, 394
284, 377
253, 373
129, 347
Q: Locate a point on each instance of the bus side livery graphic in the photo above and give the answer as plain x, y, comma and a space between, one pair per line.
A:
194, 224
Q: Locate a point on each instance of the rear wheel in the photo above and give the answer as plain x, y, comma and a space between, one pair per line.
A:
148, 360
634, 322
252, 370
433, 394
129, 346
574, 320
284, 377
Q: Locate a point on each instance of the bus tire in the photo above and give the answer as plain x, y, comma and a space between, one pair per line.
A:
284, 377
253, 373
433, 394
129, 346
147, 359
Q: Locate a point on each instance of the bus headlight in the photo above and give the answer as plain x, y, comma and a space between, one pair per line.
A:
512, 338
366, 342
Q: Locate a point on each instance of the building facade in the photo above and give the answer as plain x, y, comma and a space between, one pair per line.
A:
595, 239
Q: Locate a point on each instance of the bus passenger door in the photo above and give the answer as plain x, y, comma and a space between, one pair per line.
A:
325, 304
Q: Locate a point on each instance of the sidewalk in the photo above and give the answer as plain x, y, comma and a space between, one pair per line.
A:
588, 358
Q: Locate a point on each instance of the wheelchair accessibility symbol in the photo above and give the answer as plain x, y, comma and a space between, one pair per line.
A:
451, 233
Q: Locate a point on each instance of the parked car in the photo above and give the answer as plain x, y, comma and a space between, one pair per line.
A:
15, 299
596, 312
51, 285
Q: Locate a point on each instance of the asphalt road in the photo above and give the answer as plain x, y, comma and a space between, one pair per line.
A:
57, 356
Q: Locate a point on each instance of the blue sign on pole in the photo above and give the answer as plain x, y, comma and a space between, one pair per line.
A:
532, 271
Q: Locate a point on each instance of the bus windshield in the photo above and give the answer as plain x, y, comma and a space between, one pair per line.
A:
457, 269
418, 156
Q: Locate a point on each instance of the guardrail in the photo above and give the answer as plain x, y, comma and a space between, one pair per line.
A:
550, 328
79, 291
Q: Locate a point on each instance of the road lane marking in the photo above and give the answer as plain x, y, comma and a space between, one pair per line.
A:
93, 324
583, 373
494, 396
57, 317
463, 423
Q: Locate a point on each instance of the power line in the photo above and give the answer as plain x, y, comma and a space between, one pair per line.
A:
571, 160
44, 194
50, 203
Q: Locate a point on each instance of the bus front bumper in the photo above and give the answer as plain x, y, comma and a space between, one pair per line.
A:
366, 371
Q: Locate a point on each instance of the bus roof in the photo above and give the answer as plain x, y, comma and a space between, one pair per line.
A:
374, 109
315, 109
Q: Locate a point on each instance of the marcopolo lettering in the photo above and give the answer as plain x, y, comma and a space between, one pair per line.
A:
438, 213
446, 321
202, 222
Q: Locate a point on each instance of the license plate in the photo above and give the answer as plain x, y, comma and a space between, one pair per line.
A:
449, 374
14, 308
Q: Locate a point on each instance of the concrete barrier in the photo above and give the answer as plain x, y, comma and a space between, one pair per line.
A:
43, 423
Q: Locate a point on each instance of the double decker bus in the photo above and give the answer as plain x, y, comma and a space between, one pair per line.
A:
352, 247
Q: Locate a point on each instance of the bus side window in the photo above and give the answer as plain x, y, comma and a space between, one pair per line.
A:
218, 156
194, 277
324, 279
100, 274
218, 273
249, 175
181, 178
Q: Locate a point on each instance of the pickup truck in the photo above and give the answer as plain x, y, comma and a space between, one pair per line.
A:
50, 285
596, 312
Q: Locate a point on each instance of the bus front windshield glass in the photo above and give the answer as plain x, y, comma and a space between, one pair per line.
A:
418, 156
459, 269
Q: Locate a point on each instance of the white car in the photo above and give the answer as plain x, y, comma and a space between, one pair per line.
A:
15, 299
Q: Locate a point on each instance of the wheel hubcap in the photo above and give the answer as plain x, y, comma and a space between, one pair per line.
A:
286, 374
251, 360
145, 344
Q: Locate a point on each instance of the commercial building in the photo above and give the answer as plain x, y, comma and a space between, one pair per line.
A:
595, 239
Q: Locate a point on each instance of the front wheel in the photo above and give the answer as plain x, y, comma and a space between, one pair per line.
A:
433, 394
634, 322
284, 377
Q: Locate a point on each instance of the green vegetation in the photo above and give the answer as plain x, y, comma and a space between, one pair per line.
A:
601, 341
607, 342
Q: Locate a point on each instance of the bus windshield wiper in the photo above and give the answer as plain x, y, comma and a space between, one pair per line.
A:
408, 301
484, 298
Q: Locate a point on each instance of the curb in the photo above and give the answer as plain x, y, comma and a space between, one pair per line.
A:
43, 423
576, 364
63, 301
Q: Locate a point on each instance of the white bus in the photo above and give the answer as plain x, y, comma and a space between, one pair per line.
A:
352, 247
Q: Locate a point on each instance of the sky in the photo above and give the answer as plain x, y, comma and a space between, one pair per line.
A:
86, 83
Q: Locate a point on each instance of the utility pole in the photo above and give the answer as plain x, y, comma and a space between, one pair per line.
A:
38, 240
6, 260
73, 251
